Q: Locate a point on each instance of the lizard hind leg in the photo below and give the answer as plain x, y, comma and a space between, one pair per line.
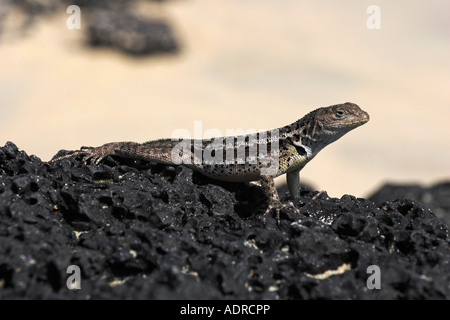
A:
72, 154
274, 201
97, 154
91, 154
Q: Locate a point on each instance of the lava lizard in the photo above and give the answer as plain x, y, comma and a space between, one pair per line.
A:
246, 157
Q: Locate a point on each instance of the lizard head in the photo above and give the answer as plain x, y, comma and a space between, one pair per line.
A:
346, 117
328, 124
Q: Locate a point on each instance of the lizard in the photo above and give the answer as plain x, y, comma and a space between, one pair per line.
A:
289, 147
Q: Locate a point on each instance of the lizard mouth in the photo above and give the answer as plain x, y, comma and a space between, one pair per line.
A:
354, 121
364, 117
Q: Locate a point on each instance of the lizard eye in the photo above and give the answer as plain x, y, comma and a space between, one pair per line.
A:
339, 113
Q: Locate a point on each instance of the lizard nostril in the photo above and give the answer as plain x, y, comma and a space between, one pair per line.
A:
363, 115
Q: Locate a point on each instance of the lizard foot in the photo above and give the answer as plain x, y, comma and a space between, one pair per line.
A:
278, 206
91, 154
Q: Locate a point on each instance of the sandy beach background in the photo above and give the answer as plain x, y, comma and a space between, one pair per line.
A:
242, 65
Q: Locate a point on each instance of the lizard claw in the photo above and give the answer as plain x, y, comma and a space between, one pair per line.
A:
278, 206
94, 155
90, 154
73, 154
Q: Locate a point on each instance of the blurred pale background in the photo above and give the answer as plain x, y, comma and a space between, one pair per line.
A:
248, 64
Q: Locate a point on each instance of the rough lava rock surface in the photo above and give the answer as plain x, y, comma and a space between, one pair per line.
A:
141, 230
435, 197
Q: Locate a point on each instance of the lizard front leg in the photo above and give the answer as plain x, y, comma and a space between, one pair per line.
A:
293, 183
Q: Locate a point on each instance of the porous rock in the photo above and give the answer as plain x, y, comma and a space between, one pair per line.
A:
141, 230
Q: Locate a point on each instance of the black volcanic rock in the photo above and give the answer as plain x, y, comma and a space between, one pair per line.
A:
435, 197
141, 230
115, 24
130, 33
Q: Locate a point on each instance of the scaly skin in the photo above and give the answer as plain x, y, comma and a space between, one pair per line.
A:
242, 158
